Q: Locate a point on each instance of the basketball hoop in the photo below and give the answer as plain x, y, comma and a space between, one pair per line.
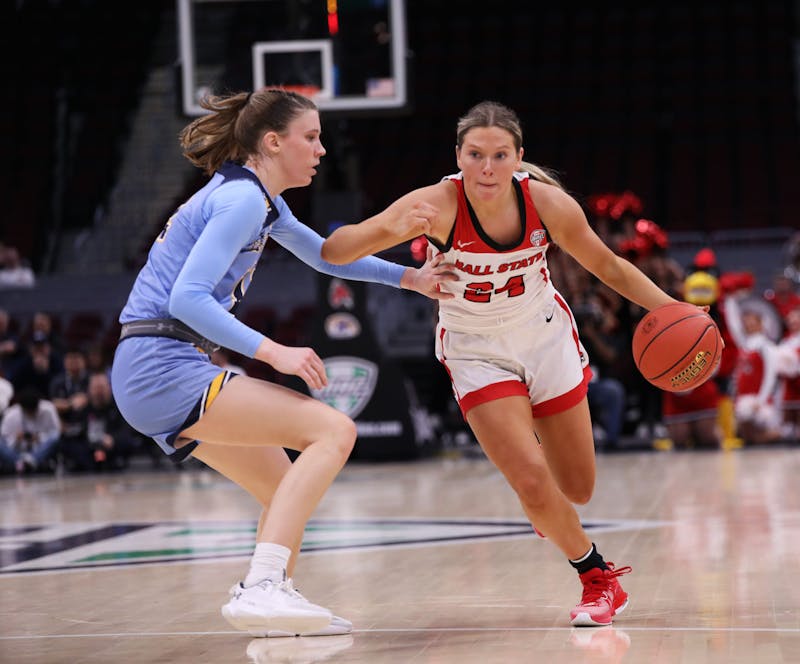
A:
310, 91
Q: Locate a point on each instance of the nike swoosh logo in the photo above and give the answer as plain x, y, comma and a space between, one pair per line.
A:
461, 245
547, 319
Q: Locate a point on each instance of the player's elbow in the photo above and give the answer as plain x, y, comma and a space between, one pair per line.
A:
177, 304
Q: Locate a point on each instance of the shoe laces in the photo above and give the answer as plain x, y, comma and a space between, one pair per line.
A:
270, 585
288, 586
285, 586
266, 583
597, 587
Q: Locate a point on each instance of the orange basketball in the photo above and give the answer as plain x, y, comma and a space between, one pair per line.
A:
677, 346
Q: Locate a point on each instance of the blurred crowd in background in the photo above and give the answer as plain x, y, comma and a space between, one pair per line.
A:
57, 413
753, 397
15, 271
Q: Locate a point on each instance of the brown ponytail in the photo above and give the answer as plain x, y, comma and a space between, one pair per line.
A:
236, 123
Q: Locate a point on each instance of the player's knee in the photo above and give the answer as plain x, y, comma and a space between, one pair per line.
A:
531, 485
534, 487
579, 494
264, 499
341, 435
349, 434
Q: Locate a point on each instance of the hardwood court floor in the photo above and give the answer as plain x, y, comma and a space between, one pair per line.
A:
431, 560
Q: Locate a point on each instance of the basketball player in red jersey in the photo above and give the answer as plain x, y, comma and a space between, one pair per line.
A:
508, 339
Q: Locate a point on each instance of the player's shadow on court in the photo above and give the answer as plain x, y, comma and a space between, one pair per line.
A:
297, 649
601, 644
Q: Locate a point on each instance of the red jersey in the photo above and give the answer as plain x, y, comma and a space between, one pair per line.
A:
500, 284
755, 372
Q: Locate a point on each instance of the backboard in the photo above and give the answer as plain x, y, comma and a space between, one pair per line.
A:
348, 55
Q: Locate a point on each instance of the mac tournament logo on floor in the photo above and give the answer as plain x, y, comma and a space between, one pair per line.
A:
83, 545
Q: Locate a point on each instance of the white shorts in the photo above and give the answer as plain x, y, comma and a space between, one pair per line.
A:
541, 358
748, 408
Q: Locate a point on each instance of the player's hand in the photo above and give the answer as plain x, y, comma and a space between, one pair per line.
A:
79, 401
707, 309
428, 279
298, 361
415, 221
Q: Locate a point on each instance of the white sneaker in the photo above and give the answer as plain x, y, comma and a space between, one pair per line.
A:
273, 606
336, 627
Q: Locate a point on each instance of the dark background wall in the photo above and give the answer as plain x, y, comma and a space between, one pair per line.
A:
691, 105
71, 75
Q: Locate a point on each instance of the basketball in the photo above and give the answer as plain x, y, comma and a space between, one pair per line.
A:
677, 347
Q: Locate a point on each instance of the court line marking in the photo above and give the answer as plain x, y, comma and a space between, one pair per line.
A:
403, 630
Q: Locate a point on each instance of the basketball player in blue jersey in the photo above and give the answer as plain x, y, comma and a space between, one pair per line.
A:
508, 339
254, 147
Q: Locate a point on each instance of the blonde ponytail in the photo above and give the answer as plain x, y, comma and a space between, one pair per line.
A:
541, 174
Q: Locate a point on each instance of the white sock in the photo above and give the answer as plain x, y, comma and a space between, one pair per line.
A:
269, 562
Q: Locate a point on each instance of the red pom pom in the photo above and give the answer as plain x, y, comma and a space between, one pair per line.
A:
419, 248
733, 281
705, 258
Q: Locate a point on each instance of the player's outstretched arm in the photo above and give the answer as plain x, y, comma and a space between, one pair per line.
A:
306, 244
408, 217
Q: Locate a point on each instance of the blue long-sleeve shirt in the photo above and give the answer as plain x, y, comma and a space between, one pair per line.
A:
203, 261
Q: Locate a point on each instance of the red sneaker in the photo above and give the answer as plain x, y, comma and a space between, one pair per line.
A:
603, 597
